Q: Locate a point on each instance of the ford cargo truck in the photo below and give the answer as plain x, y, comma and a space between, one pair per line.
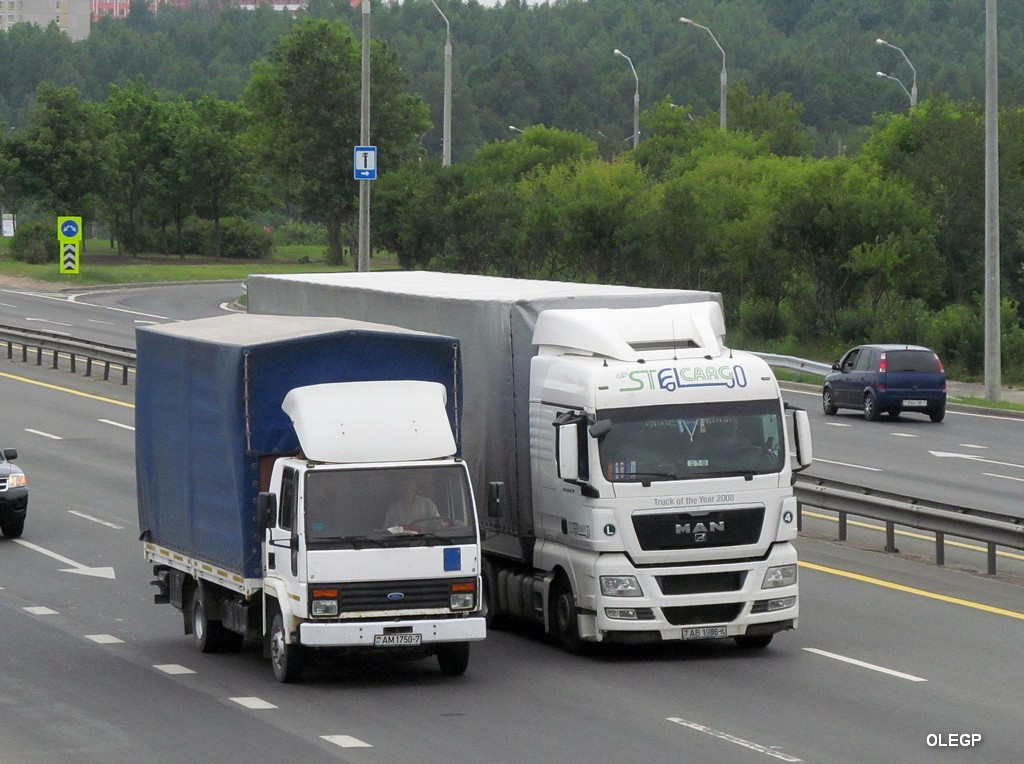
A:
270, 451
638, 471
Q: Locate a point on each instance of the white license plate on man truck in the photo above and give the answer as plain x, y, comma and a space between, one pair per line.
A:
705, 632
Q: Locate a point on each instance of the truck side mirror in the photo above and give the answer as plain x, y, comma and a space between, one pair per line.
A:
802, 439
266, 509
495, 499
568, 447
10, 454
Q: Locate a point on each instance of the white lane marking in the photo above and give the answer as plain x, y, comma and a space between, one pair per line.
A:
48, 321
851, 466
254, 703
84, 516
97, 321
8, 305
862, 664
971, 445
44, 434
345, 741
172, 668
76, 567
1004, 477
973, 458
39, 610
117, 424
902, 435
104, 639
733, 739
838, 424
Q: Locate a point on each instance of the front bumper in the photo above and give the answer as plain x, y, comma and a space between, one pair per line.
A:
361, 633
14, 503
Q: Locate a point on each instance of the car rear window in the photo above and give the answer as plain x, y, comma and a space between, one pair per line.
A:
911, 360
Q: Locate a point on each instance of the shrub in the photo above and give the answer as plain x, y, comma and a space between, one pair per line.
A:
297, 232
242, 240
35, 243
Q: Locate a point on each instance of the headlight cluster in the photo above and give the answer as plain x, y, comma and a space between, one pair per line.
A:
783, 575
621, 586
463, 596
324, 603
17, 480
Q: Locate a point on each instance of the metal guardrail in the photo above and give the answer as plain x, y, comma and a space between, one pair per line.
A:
846, 499
792, 363
57, 348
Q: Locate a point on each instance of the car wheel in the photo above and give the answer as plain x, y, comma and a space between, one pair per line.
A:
871, 412
13, 528
827, 404
894, 413
937, 415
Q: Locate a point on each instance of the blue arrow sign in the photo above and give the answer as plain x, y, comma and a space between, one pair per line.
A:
364, 163
69, 228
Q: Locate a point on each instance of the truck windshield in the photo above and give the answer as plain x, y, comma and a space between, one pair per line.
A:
684, 442
373, 507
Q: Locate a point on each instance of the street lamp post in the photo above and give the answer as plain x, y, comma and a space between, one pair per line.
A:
446, 141
515, 129
636, 97
913, 83
724, 78
884, 76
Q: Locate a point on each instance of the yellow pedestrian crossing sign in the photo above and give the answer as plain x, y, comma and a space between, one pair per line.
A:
69, 237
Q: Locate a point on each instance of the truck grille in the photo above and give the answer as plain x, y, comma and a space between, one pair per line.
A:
696, 615
430, 594
694, 530
702, 583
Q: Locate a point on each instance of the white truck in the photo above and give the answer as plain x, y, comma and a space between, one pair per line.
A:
638, 472
271, 455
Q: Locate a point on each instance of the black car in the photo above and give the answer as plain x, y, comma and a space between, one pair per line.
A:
13, 495
889, 378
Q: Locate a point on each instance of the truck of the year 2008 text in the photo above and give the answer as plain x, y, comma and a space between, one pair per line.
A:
638, 472
300, 484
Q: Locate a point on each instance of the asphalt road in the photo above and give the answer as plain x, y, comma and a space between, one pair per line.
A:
891, 658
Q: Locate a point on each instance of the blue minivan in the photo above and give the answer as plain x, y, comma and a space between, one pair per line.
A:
889, 378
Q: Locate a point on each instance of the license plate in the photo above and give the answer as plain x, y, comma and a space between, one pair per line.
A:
397, 640
705, 632
915, 403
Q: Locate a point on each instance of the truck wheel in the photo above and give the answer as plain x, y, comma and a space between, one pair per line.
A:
12, 528
206, 634
565, 624
453, 658
285, 659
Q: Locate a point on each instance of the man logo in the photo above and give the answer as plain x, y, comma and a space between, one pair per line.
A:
700, 531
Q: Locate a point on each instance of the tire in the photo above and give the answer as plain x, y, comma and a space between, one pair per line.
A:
936, 415
13, 527
208, 636
565, 624
755, 642
871, 411
453, 658
285, 659
827, 403
894, 413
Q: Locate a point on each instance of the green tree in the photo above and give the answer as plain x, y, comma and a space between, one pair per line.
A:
305, 101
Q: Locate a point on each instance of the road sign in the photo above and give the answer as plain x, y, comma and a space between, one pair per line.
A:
69, 236
364, 163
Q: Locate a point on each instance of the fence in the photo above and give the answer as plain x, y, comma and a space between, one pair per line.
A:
58, 349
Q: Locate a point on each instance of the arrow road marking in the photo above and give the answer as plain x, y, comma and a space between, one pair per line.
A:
973, 458
76, 567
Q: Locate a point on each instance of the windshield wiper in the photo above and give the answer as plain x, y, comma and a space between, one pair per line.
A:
669, 475
352, 539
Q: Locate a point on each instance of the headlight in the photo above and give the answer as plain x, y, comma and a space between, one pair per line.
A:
17, 480
783, 575
621, 586
324, 603
463, 595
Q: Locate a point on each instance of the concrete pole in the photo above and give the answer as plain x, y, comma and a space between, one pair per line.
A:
363, 259
993, 365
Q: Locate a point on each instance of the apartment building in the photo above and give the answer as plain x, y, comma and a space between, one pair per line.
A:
73, 17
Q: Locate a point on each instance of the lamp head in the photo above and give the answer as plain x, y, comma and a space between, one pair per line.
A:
685, 20
880, 41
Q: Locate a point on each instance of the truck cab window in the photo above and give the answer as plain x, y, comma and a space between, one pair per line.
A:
286, 512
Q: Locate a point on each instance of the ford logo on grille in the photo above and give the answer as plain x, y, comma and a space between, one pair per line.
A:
395, 596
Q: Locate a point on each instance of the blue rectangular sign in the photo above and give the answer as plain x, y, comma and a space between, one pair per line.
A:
364, 163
